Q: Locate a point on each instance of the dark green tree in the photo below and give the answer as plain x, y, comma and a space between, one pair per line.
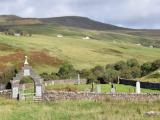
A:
98, 71
67, 71
132, 63
156, 65
146, 68
121, 65
111, 75
135, 72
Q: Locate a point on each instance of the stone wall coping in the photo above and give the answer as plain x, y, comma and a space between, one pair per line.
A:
142, 94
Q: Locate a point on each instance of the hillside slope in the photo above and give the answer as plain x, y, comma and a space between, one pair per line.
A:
152, 77
46, 53
80, 26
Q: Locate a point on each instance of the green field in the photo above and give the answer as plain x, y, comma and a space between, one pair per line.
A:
104, 87
78, 110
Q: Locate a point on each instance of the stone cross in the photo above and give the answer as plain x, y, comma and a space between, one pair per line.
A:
138, 87
26, 60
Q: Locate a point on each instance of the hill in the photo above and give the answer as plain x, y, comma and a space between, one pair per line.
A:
81, 22
48, 52
80, 26
71, 21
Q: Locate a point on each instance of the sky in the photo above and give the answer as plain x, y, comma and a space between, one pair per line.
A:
125, 13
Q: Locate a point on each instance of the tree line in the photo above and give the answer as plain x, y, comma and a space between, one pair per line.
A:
129, 69
12, 32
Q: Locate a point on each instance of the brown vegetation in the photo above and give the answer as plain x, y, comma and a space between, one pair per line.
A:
41, 57
35, 57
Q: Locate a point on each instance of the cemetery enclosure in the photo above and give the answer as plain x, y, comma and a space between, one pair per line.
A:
146, 85
61, 95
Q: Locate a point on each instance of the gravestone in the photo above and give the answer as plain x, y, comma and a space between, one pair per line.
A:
99, 88
138, 87
78, 80
113, 89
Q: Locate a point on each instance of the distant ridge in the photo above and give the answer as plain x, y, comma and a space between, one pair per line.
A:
81, 22
71, 21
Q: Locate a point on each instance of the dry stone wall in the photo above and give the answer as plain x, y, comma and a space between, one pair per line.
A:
61, 95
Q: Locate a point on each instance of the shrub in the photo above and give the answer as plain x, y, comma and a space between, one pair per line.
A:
109, 66
45, 76
126, 74
121, 65
132, 63
85, 73
110, 75
54, 76
156, 65
146, 68
135, 71
66, 71
98, 71
91, 78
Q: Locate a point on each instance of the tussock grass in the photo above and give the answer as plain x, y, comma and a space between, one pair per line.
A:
78, 110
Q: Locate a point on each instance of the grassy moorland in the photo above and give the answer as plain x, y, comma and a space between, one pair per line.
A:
154, 77
47, 52
78, 110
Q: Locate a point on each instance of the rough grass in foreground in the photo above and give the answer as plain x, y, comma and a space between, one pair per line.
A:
77, 110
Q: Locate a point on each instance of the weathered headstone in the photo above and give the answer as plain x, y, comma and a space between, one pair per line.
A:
118, 80
138, 87
99, 88
52, 83
78, 80
46, 84
113, 89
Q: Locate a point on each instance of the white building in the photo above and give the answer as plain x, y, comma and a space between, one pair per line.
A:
86, 38
17, 34
59, 36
